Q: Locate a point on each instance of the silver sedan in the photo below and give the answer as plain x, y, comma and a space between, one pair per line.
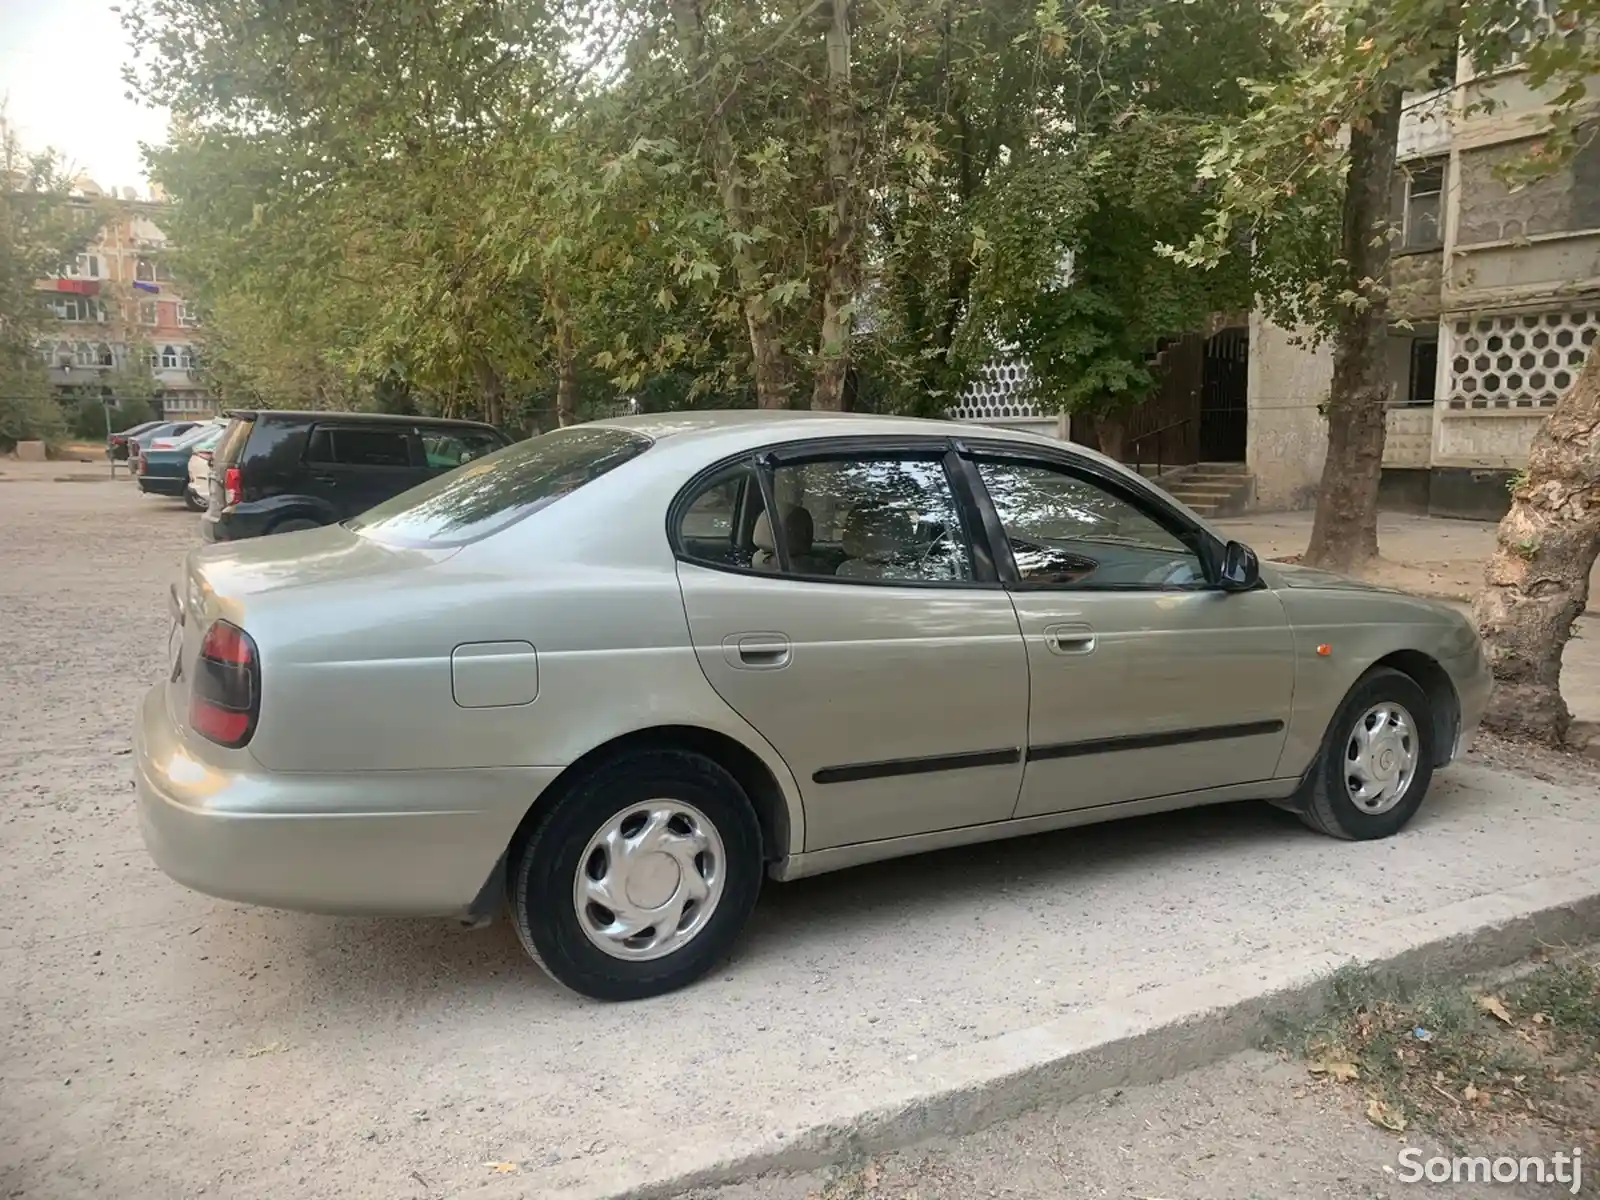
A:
613, 676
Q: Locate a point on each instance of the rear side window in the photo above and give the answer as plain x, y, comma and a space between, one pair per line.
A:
447, 449
352, 447
490, 493
231, 448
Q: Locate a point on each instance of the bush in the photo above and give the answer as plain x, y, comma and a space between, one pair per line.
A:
89, 417
28, 418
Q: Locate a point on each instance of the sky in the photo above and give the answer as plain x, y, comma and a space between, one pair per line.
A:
61, 81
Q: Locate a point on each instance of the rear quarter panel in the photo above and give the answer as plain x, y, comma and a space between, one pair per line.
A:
1360, 627
356, 670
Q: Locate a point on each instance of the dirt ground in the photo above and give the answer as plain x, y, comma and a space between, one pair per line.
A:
157, 1043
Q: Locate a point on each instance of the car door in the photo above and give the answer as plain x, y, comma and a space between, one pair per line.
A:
862, 634
354, 467
1145, 679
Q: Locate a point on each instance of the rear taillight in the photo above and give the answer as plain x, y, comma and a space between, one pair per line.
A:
144, 463
225, 695
232, 486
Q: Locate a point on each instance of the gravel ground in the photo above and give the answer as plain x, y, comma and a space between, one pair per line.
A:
155, 1042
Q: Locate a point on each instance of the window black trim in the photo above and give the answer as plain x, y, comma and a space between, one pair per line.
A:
1152, 741
766, 459
891, 768
1199, 541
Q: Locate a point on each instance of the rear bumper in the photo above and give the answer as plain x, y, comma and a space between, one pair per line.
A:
163, 485
386, 843
232, 525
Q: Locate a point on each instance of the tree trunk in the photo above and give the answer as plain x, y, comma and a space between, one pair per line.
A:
766, 345
1537, 580
566, 374
491, 393
1344, 536
840, 266
1110, 434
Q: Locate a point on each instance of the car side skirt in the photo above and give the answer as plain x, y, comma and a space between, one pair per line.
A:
837, 858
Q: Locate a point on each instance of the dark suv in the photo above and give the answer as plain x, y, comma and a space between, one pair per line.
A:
274, 472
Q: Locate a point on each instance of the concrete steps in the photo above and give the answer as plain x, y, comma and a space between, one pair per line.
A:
1212, 489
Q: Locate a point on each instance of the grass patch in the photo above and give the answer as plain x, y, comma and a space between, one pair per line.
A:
1465, 1061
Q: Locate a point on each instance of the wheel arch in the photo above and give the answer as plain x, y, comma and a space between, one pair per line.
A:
760, 784
1444, 705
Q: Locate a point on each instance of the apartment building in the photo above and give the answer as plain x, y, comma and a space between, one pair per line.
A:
118, 304
1496, 300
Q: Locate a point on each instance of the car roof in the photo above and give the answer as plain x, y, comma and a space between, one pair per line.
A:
290, 415
735, 428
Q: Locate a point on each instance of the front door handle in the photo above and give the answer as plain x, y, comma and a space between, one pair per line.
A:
1073, 638
756, 651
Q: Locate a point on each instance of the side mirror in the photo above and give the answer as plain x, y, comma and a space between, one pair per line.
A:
1240, 569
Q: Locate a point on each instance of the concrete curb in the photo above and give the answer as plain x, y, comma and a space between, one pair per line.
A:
1134, 1039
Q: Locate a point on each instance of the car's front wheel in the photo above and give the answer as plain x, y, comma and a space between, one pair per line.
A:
639, 878
1376, 761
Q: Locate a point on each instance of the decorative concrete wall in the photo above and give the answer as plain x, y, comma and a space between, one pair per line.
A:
1287, 437
1409, 440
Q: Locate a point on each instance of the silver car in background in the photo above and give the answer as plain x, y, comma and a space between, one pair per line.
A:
612, 676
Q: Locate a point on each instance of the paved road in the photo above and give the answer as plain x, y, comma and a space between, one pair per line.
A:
154, 1042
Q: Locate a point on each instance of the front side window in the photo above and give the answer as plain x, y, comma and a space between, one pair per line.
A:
889, 520
487, 495
1067, 531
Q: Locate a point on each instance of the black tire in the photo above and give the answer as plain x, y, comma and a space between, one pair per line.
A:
295, 525
1328, 806
543, 870
191, 503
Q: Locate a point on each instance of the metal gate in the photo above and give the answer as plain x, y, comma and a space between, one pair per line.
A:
1223, 398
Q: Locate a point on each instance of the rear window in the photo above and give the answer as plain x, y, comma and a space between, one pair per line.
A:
357, 447
490, 493
231, 448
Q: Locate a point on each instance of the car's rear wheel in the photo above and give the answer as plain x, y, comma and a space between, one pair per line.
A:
640, 877
295, 525
192, 502
1376, 761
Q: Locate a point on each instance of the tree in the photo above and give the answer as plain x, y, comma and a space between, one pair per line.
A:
1536, 583
40, 232
1322, 141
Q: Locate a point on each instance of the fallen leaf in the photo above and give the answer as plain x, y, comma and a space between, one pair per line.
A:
1333, 1069
870, 1175
1385, 1116
1540, 1018
503, 1168
1495, 1007
269, 1048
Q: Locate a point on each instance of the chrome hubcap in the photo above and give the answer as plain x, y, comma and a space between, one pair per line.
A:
649, 880
1380, 758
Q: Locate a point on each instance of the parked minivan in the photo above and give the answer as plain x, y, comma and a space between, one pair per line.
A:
276, 472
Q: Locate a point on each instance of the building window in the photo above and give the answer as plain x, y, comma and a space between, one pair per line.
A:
151, 270
169, 358
147, 312
187, 358
1424, 228
77, 308
1424, 371
187, 317
85, 266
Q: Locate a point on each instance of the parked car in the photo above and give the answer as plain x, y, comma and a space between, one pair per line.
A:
591, 674
140, 442
163, 469
198, 495
278, 472
117, 443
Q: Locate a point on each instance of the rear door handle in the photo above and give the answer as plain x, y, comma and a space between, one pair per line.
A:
1072, 638
756, 651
